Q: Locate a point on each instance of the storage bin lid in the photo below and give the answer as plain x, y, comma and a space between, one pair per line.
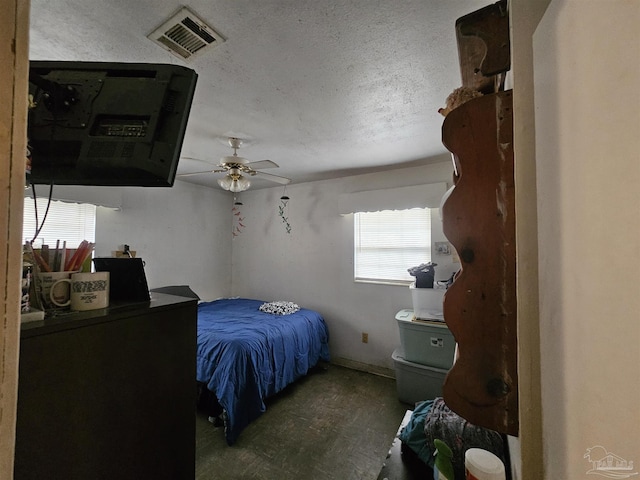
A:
398, 358
406, 314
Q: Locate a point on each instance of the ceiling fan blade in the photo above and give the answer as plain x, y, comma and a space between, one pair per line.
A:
261, 164
198, 173
206, 162
273, 178
235, 165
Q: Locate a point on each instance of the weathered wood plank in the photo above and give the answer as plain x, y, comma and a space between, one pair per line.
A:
479, 221
484, 47
14, 48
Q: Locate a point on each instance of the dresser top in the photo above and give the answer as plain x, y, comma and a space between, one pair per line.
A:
66, 320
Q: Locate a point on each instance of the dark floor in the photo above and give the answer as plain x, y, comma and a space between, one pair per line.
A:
336, 423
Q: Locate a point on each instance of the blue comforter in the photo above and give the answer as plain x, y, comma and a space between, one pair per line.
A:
245, 355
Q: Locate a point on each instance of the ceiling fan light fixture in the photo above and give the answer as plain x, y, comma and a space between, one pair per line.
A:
225, 182
240, 184
234, 183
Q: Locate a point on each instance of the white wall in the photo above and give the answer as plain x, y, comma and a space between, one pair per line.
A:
182, 233
526, 450
313, 266
587, 79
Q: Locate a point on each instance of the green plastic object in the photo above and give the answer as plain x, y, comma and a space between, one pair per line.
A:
443, 459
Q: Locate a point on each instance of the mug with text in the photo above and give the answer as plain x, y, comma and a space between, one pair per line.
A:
54, 293
88, 291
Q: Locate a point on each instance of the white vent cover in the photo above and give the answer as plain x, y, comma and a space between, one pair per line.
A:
185, 35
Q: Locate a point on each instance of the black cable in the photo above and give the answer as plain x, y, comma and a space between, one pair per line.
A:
53, 89
35, 207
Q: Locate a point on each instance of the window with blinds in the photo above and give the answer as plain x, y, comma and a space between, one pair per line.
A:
70, 222
387, 243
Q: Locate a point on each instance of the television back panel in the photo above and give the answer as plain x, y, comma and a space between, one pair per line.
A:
112, 124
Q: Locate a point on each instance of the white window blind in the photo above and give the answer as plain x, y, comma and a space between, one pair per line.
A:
70, 222
387, 243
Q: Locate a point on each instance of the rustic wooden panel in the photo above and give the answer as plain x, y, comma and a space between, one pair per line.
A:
14, 57
479, 221
484, 47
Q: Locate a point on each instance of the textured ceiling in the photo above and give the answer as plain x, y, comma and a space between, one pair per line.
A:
324, 88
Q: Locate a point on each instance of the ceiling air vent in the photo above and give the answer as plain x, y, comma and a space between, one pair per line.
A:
185, 35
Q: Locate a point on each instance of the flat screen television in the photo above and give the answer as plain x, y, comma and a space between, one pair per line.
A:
111, 124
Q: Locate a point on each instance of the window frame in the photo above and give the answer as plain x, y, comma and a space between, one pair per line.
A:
81, 214
423, 257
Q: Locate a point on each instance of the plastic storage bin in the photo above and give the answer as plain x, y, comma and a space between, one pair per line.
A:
415, 382
430, 344
427, 302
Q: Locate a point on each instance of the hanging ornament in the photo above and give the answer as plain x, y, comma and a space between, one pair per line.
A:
238, 219
283, 210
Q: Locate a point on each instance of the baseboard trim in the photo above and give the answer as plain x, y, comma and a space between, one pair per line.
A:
364, 367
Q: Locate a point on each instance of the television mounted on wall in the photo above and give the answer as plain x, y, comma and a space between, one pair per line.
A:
108, 124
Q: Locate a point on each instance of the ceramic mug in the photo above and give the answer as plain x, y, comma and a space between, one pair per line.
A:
88, 291
55, 294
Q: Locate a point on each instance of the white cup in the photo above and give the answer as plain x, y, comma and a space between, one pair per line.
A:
89, 291
54, 293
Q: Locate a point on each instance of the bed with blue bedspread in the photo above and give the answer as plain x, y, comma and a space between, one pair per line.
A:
245, 355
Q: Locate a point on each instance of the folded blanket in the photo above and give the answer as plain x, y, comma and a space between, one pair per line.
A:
433, 420
279, 308
459, 435
413, 436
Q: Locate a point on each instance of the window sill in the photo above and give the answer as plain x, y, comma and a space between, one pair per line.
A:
391, 283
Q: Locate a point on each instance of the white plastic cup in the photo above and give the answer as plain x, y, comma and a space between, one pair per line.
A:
480, 464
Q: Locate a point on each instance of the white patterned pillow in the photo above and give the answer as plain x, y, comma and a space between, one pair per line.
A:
279, 307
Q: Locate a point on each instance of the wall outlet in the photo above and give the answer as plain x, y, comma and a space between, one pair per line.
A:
365, 337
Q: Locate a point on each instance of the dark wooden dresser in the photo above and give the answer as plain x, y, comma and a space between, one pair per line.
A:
109, 394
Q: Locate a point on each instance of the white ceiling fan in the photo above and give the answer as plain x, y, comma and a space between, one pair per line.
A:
235, 166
